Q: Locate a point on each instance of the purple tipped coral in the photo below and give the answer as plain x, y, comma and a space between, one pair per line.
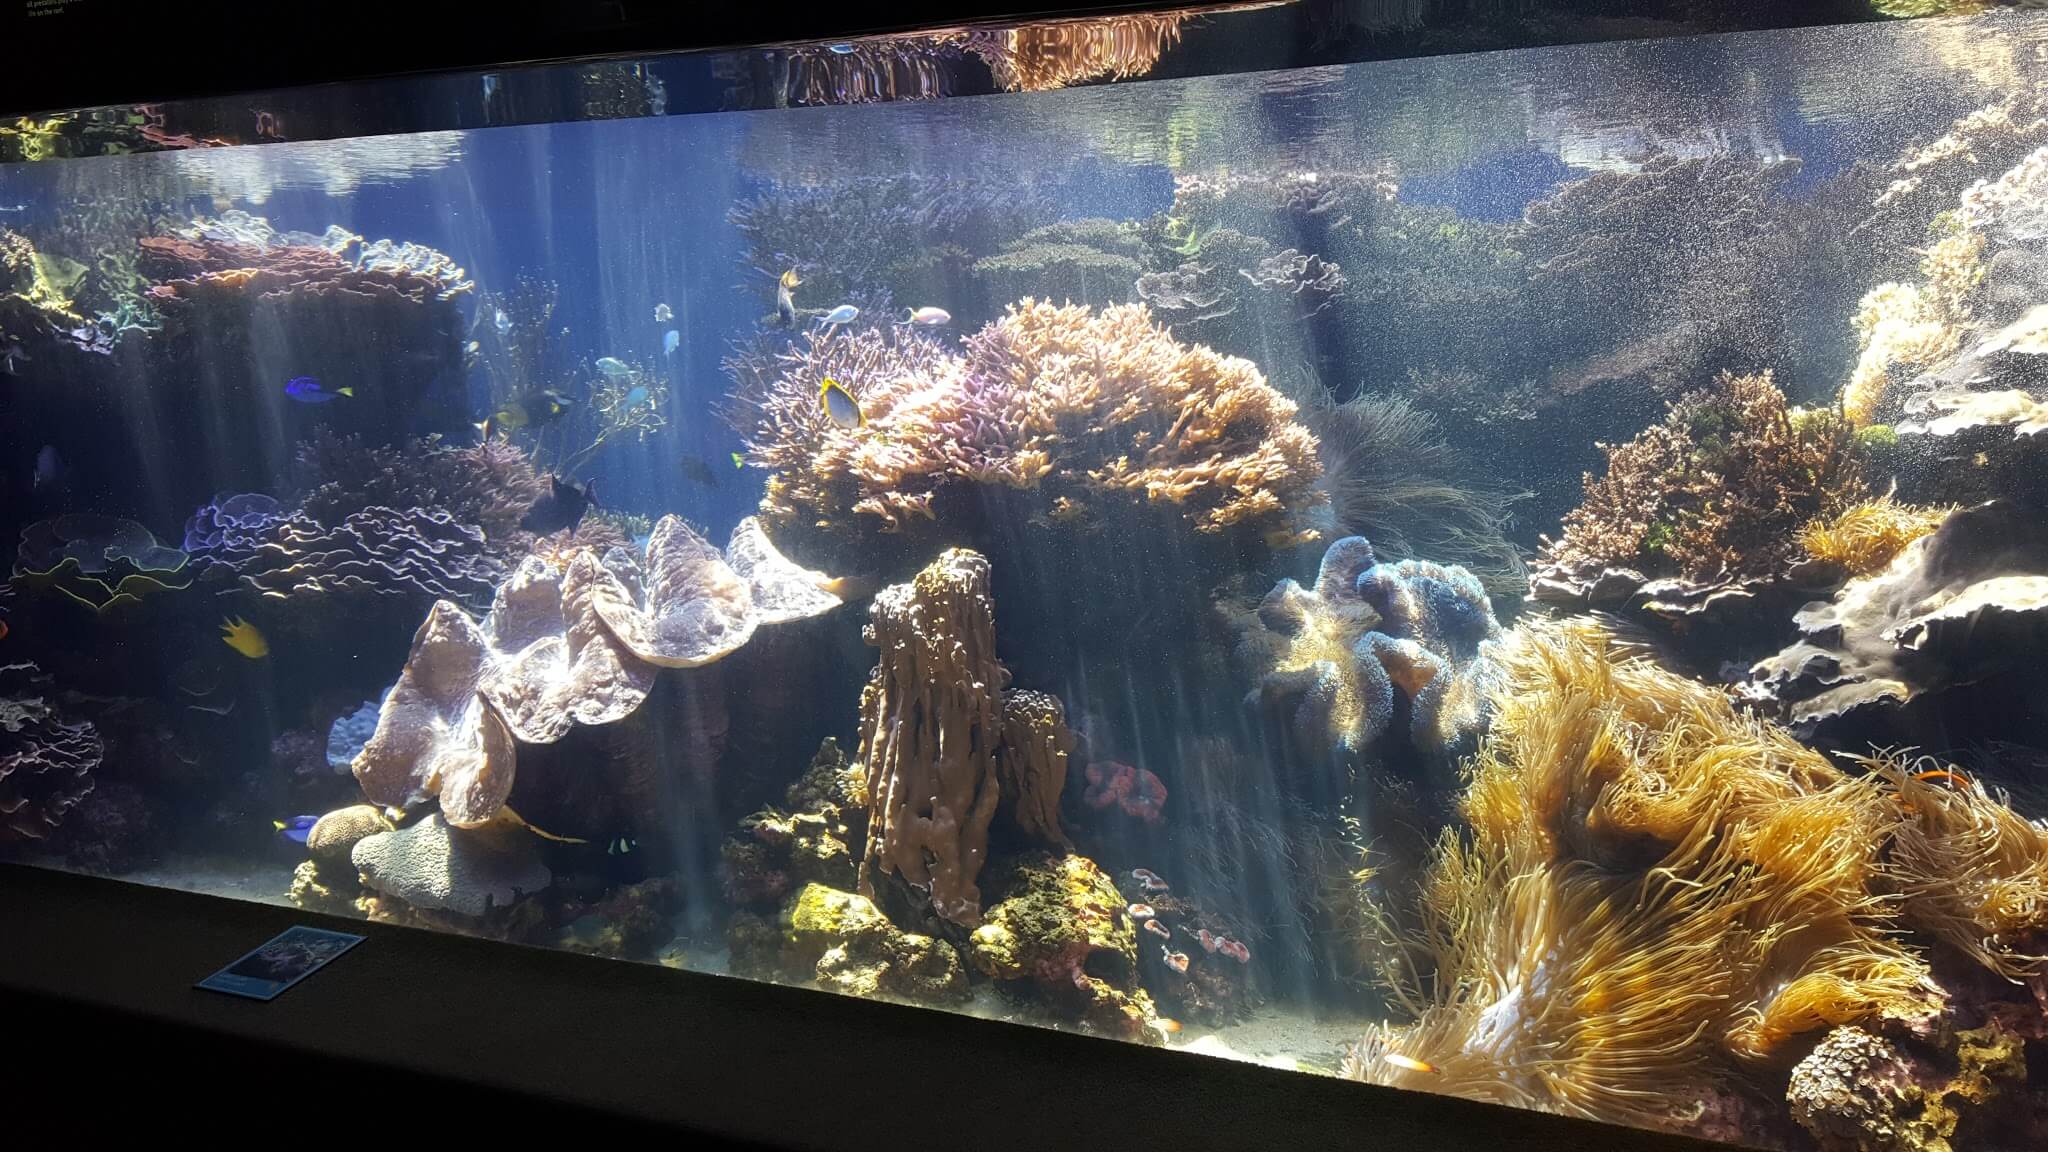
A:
1336, 663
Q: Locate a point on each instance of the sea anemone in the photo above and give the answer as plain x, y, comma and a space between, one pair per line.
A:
1863, 538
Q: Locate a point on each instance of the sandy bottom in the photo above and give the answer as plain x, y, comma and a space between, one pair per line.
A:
1277, 1037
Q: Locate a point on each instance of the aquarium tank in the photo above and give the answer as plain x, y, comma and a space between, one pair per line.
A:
1517, 573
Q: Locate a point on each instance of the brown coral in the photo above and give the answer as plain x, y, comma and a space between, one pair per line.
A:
1653, 891
1721, 487
1031, 765
930, 720
1047, 54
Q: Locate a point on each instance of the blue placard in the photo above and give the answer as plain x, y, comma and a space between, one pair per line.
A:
280, 962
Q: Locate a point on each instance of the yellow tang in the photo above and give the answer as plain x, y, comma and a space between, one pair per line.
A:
839, 405
243, 637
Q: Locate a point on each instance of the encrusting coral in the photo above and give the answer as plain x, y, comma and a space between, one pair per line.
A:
1860, 1092
1332, 661
1065, 401
1624, 826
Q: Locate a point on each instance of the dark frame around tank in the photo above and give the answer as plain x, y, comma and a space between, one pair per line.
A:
417, 1033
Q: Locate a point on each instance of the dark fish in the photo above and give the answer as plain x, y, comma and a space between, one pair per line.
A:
560, 508
698, 472
309, 390
49, 468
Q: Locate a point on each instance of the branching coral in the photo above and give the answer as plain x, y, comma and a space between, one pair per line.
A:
1862, 538
1722, 487
46, 758
1068, 401
1652, 891
1333, 661
1094, 260
931, 718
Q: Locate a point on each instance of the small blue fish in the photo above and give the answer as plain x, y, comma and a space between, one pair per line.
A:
636, 397
839, 405
614, 367
295, 829
844, 314
670, 341
502, 322
308, 390
840, 49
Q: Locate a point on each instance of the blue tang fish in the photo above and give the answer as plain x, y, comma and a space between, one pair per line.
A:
844, 314
670, 341
309, 390
636, 397
295, 829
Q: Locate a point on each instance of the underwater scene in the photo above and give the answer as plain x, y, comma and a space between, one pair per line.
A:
1521, 575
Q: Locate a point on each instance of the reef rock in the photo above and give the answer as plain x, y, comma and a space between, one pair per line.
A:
1059, 926
565, 646
778, 850
46, 759
1956, 607
1333, 661
844, 942
433, 865
347, 735
1859, 1092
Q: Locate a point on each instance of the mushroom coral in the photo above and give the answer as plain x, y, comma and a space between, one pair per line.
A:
1074, 403
1651, 892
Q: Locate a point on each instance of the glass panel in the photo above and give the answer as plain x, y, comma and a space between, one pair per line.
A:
1515, 574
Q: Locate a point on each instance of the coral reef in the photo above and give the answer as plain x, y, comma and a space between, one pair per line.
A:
1721, 487
931, 718
1064, 401
333, 837
36, 297
46, 758
845, 943
239, 256
488, 486
1215, 985
628, 923
1859, 1092
1046, 54
1089, 261
1059, 924
434, 866
567, 647
778, 851
251, 542
1332, 662
1957, 607
349, 732
103, 562
1623, 824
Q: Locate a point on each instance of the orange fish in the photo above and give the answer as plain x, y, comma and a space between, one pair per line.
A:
1955, 779
1408, 1062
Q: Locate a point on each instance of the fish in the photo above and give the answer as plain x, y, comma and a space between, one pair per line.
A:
244, 637
295, 829
49, 467
670, 341
785, 299
1954, 778
928, 317
1140, 911
471, 353
502, 323
538, 409
560, 508
636, 397
1167, 1025
698, 472
1408, 1062
1149, 880
11, 356
614, 367
309, 390
844, 314
738, 461
840, 49
1158, 929
662, 315
839, 406
1178, 961
620, 846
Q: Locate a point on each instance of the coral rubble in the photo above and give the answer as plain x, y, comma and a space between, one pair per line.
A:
1332, 661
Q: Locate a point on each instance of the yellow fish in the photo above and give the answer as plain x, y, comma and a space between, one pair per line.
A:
839, 405
738, 461
243, 637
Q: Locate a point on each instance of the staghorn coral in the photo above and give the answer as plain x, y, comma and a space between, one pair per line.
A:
931, 717
1957, 607
1065, 401
1720, 488
1331, 662
563, 647
1031, 764
1862, 539
1047, 54
1651, 893
1059, 924
46, 758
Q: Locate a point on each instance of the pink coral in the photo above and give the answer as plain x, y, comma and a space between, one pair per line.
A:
1136, 792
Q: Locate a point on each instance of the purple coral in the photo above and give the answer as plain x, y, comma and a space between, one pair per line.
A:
232, 522
424, 552
46, 761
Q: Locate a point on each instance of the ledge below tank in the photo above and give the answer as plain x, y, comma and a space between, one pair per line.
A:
415, 1031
